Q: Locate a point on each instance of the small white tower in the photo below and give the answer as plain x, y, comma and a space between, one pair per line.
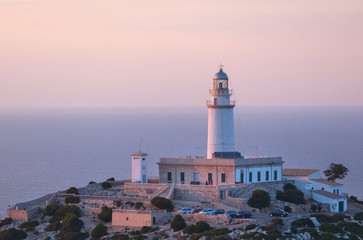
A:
139, 169
220, 116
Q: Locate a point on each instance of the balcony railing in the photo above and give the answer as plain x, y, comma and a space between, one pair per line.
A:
220, 91
210, 103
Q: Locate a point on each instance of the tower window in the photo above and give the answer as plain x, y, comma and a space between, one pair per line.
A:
241, 177
250, 177
275, 175
267, 175
210, 177
223, 177
258, 176
169, 176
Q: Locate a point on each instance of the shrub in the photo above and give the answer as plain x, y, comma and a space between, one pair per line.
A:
288, 186
162, 203
147, 229
139, 237
287, 209
72, 190
63, 211
106, 185
330, 228
351, 227
105, 214
302, 222
53, 227
117, 203
277, 221
189, 229
29, 226
327, 236
323, 218
135, 232
47, 238
291, 195
131, 204
218, 232
250, 226
6, 221
71, 223
51, 209
120, 237
178, 223
338, 217
260, 199
91, 182
72, 236
223, 237
358, 216
139, 205
111, 179
72, 200
314, 207
273, 233
12, 234
99, 231
201, 226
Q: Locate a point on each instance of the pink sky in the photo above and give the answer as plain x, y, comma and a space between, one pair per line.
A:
86, 53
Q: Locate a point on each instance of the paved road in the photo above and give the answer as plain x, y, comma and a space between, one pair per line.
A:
266, 216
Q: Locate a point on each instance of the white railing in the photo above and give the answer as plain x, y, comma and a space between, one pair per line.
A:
231, 103
160, 190
220, 91
171, 191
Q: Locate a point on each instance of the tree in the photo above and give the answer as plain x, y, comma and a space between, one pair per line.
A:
162, 203
336, 171
99, 231
178, 223
105, 214
260, 199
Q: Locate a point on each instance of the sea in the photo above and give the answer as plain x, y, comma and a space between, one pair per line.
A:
47, 150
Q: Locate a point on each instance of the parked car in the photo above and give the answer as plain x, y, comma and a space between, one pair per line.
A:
278, 213
206, 211
231, 213
185, 210
244, 214
197, 210
216, 212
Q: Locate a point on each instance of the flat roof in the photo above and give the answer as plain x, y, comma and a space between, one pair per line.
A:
326, 182
328, 194
298, 171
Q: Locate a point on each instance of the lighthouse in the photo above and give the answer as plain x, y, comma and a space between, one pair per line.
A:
220, 117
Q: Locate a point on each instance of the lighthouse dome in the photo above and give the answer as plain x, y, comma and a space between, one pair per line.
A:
220, 75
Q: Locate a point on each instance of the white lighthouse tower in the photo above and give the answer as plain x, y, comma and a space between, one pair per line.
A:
139, 167
220, 117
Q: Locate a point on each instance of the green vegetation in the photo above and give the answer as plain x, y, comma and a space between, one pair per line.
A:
201, 226
120, 237
53, 227
260, 199
72, 190
106, 185
63, 211
354, 199
71, 223
330, 228
162, 203
250, 226
291, 194
287, 209
220, 233
314, 207
72, 236
111, 179
129, 203
99, 231
336, 171
178, 223
189, 229
6, 221
29, 226
358, 216
139, 237
51, 209
117, 203
139, 205
323, 218
277, 222
147, 229
12, 234
105, 214
302, 222
72, 200
91, 182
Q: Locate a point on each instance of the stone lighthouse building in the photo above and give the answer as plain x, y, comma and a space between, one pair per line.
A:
220, 117
223, 165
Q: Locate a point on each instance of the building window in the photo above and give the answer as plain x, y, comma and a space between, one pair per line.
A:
275, 175
169, 176
338, 191
210, 177
241, 177
143, 159
223, 177
127, 218
258, 176
182, 176
250, 180
267, 176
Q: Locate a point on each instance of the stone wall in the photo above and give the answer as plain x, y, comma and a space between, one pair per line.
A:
135, 218
195, 194
211, 219
24, 215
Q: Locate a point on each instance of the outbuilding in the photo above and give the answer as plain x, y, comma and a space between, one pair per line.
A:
337, 203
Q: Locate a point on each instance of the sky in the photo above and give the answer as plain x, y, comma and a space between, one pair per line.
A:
114, 53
